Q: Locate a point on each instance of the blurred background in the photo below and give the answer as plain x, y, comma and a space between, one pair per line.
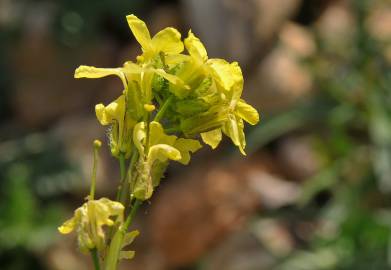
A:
313, 192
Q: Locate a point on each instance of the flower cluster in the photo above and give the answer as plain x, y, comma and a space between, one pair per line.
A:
170, 101
169, 92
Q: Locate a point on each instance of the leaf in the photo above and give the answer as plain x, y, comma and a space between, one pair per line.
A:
190, 107
129, 238
126, 255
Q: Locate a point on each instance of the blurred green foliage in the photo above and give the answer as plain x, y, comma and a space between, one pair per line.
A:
35, 176
350, 119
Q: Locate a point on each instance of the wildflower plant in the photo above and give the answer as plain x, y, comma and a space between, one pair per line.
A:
171, 102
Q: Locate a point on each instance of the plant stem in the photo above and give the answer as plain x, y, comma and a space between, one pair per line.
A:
122, 168
147, 120
116, 244
122, 165
124, 194
132, 213
163, 109
97, 145
95, 258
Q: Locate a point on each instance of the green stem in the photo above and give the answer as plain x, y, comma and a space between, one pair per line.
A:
116, 244
163, 109
95, 258
122, 167
124, 195
147, 120
131, 169
97, 145
163, 58
132, 213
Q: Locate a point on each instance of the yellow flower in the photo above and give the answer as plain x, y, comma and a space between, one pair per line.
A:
191, 68
129, 108
156, 148
230, 79
130, 73
167, 41
222, 72
115, 115
143, 76
227, 110
89, 220
195, 48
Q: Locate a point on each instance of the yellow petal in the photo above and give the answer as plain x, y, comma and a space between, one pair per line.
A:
113, 208
185, 146
168, 41
115, 111
158, 136
171, 78
140, 31
233, 128
68, 226
247, 112
101, 114
162, 152
89, 219
131, 68
175, 59
94, 73
212, 137
195, 47
227, 75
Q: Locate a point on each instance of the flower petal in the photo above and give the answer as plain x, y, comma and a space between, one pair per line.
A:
158, 136
212, 137
162, 152
247, 112
227, 75
68, 226
140, 32
233, 128
171, 78
185, 146
195, 47
115, 111
168, 41
94, 73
